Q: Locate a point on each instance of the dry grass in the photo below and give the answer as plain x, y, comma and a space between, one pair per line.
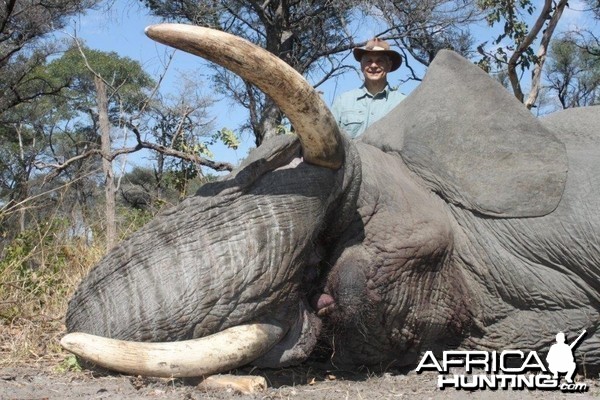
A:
36, 283
39, 271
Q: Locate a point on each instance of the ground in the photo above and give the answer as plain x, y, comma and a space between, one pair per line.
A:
311, 382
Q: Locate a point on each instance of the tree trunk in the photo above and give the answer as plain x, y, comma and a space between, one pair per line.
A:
513, 62
109, 184
23, 185
270, 122
542, 53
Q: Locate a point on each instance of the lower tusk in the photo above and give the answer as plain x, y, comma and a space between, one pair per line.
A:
209, 355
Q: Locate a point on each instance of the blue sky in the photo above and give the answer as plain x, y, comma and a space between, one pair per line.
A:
121, 29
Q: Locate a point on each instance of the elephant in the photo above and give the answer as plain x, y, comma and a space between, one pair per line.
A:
458, 221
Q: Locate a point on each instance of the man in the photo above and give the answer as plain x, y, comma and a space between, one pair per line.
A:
355, 110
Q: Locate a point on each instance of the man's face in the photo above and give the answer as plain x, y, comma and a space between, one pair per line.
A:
375, 67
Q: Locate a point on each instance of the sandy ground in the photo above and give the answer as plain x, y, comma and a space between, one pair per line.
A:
307, 382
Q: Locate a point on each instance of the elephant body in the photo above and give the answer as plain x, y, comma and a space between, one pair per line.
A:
458, 221
475, 273
548, 266
469, 282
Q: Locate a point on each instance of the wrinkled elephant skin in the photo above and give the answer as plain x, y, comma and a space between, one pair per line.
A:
459, 221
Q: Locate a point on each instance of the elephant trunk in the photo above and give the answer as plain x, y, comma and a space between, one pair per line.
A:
233, 255
310, 117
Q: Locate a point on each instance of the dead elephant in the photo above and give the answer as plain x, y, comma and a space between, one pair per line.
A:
459, 221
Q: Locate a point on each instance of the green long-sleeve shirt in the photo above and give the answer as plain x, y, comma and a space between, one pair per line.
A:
356, 109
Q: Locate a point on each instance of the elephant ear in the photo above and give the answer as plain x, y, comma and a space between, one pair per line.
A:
474, 144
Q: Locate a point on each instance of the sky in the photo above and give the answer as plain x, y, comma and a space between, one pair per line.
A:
121, 29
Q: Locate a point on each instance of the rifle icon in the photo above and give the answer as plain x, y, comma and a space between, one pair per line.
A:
576, 341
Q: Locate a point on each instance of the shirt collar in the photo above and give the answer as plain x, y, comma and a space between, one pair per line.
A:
365, 93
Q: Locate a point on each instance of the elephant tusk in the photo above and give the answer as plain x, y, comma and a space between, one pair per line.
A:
313, 122
222, 351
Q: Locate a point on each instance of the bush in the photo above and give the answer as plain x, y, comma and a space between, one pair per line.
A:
39, 271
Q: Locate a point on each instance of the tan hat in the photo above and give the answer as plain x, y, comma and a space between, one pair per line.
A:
377, 45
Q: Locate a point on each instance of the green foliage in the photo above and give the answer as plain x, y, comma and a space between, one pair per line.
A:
304, 34
227, 137
32, 266
513, 34
26, 44
283, 129
125, 76
132, 219
179, 179
70, 364
573, 72
200, 149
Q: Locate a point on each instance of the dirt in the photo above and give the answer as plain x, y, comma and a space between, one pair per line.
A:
307, 382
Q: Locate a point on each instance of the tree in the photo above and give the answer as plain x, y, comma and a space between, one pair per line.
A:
22, 142
311, 37
423, 27
109, 108
17, 156
305, 34
181, 123
594, 6
24, 25
518, 54
54, 147
24, 46
67, 126
573, 72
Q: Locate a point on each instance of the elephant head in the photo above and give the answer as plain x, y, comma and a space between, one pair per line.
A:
240, 255
457, 221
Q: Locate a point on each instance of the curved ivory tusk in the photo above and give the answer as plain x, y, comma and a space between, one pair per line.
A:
312, 120
223, 351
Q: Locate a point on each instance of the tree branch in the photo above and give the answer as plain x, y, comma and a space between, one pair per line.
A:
141, 144
542, 53
518, 53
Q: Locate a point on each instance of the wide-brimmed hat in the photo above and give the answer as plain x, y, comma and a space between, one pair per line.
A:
380, 46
